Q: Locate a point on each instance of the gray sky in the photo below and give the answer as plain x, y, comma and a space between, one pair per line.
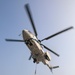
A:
50, 16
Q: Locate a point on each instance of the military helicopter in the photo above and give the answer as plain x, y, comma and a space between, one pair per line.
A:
34, 44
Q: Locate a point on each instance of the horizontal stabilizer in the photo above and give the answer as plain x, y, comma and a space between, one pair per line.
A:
54, 67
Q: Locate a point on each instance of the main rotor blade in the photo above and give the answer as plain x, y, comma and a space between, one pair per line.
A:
50, 50
30, 17
58, 33
14, 40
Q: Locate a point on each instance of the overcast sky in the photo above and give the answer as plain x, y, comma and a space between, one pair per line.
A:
50, 16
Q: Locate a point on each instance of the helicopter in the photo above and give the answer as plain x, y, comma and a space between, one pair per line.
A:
35, 45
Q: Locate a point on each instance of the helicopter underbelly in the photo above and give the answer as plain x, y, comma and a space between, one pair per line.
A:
31, 42
34, 46
36, 50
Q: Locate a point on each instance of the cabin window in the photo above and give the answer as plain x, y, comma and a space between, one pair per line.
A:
30, 43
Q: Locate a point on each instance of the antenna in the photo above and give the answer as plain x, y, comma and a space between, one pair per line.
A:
20, 34
35, 69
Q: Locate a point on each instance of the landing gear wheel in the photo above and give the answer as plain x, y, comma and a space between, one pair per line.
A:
34, 60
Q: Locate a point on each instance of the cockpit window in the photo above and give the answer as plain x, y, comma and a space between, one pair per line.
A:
30, 32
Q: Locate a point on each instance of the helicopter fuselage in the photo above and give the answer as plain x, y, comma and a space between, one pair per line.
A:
36, 49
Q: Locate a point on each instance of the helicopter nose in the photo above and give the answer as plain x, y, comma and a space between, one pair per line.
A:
24, 31
25, 34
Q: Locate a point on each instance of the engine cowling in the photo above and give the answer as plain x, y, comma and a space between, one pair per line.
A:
47, 56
